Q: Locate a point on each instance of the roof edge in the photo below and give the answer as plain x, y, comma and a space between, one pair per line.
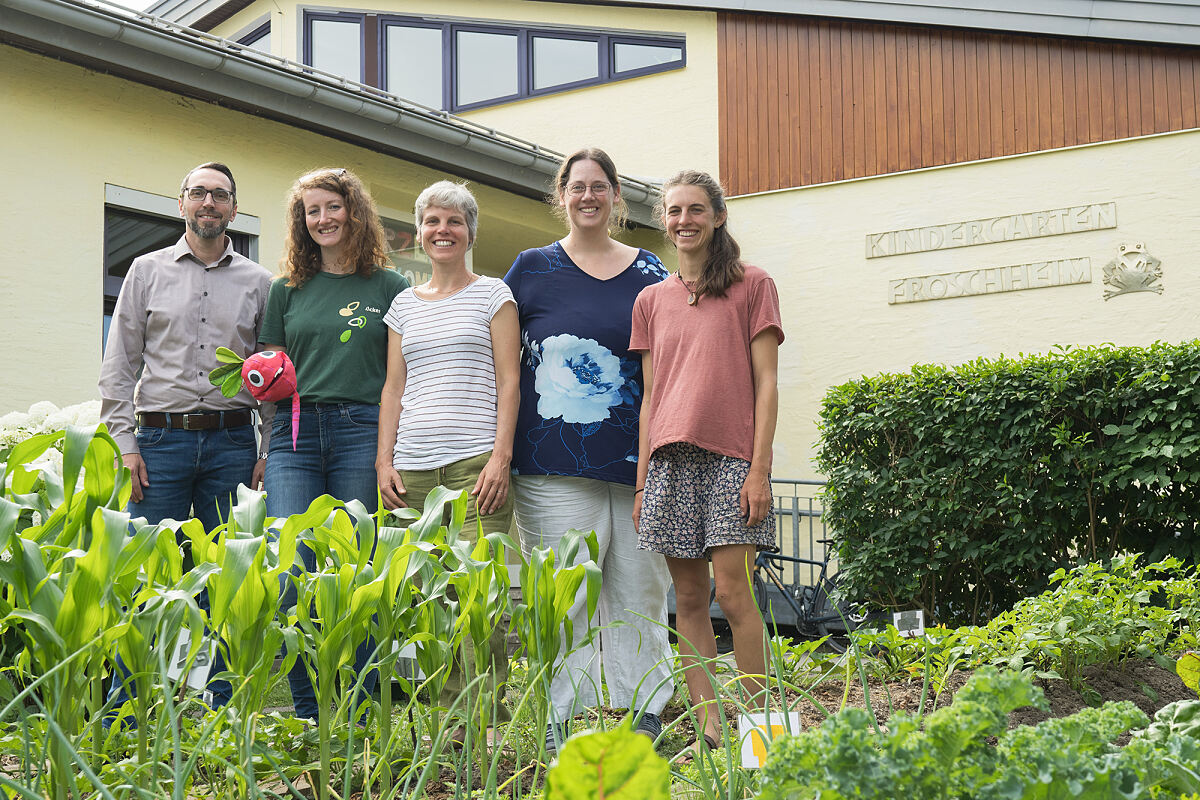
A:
163, 55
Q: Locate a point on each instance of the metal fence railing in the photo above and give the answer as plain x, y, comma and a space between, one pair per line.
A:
800, 523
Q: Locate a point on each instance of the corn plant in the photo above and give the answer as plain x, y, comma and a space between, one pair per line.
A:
541, 618
61, 582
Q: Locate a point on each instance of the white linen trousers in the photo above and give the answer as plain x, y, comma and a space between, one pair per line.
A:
635, 656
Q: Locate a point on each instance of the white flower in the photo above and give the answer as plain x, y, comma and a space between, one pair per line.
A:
13, 420
40, 410
577, 379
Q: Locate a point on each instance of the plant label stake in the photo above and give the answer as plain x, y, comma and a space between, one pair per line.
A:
756, 732
909, 624
197, 676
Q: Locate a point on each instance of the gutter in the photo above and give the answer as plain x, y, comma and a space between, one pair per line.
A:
158, 53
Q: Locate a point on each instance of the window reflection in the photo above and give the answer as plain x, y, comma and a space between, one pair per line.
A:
414, 64
336, 47
487, 66
558, 61
638, 56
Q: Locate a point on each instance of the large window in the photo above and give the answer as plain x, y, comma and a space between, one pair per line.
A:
334, 43
136, 223
459, 65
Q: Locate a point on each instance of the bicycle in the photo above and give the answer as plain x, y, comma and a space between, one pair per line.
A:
817, 609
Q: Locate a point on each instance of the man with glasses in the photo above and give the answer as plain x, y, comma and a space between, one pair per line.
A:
186, 445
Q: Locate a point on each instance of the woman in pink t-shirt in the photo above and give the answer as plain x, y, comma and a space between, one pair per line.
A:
709, 337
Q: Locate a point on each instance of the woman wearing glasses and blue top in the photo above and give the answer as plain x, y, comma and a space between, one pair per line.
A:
326, 312
575, 451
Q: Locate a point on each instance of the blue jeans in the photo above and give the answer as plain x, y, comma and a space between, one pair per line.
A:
335, 455
193, 473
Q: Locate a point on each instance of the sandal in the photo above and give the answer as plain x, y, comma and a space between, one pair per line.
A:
689, 753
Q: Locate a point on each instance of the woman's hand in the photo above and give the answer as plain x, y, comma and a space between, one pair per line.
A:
391, 486
755, 498
491, 489
637, 510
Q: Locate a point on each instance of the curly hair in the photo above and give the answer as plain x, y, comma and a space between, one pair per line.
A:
364, 240
723, 266
619, 214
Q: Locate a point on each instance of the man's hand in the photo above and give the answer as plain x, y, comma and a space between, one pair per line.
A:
137, 474
256, 477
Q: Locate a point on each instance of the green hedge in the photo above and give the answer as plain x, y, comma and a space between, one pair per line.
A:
961, 489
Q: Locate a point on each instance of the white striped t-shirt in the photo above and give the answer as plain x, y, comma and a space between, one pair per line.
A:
449, 401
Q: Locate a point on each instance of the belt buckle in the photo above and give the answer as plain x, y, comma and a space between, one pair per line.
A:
187, 422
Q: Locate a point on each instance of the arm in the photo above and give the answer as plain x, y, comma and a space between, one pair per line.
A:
491, 490
266, 416
755, 496
123, 357
643, 464
390, 484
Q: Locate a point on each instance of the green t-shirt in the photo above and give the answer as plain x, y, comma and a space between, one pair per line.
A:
332, 328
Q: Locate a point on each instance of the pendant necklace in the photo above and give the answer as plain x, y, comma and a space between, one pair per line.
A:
691, 298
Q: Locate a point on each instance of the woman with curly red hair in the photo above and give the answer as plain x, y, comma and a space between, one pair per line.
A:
326, 312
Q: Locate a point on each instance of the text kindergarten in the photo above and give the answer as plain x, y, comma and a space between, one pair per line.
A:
1032, 225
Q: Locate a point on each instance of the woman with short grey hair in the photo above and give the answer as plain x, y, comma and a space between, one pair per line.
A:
449, 405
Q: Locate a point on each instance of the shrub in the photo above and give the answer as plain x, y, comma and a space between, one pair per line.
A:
962, 489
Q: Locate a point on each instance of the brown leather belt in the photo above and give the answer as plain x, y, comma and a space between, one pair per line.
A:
196, 420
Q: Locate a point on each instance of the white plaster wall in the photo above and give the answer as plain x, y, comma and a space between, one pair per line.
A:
835, 301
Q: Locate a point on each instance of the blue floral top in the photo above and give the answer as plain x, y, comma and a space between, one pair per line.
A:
581, 387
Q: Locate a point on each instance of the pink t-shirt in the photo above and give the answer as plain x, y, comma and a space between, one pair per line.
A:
703, 391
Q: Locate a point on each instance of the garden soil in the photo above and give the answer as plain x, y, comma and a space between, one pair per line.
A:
1142, 682
1147, 685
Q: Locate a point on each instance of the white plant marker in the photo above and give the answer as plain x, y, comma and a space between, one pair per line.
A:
756, 731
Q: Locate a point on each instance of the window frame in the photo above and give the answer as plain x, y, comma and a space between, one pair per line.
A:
411, 22
606, 41
255, 32
147, 204
602, 60
649, 42
452, 54
357, 17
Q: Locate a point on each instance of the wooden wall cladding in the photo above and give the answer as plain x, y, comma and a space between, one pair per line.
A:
806, 101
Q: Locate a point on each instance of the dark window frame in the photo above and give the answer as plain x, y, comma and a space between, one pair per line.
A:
411, 22
602, 66
256, 35
606, 41
339, 16
653, 68
499, 30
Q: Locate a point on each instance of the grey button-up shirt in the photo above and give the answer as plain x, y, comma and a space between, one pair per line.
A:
173, 312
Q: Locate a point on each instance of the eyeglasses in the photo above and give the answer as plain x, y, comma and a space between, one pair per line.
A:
220, 196
598, 189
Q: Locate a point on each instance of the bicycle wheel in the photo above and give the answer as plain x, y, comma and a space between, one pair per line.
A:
760, 596
836, 619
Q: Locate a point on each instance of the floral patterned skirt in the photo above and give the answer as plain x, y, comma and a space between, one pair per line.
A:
691, 504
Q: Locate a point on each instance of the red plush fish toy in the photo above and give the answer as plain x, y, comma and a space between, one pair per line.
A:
269, 376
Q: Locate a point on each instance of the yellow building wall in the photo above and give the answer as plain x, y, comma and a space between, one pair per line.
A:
69, 131
652, 126
835, 300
